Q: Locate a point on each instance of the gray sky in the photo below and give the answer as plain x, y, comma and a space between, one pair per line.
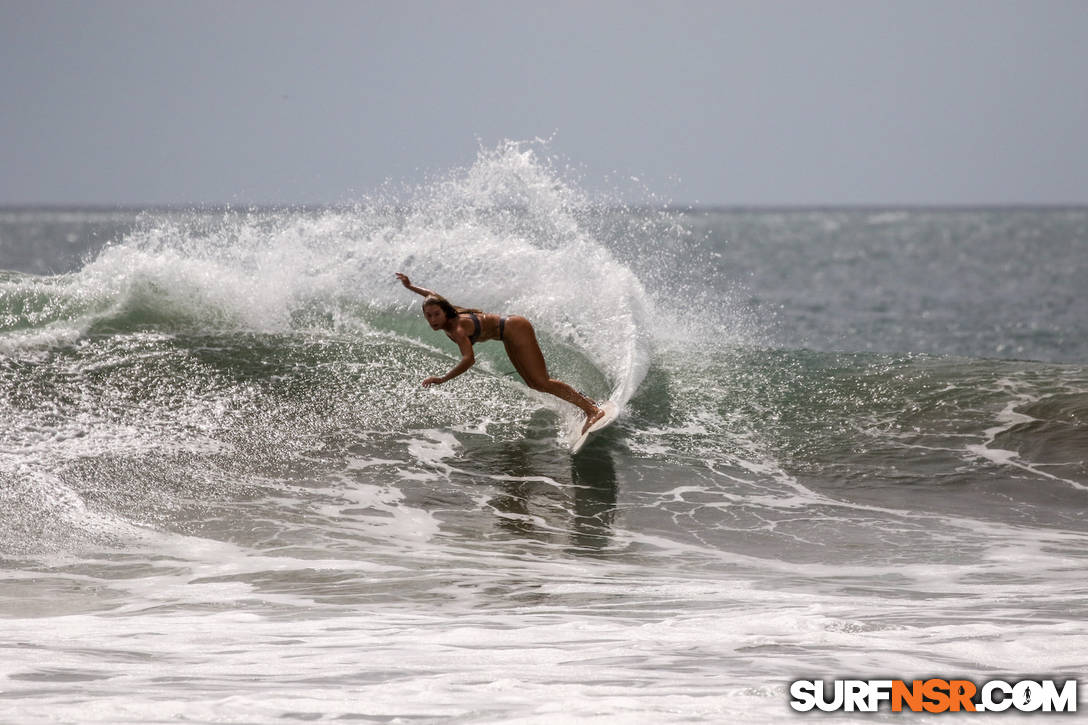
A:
802, 102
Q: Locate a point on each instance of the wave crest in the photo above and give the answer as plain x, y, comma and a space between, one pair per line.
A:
508, 234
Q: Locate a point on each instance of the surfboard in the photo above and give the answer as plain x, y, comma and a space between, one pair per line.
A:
611, 412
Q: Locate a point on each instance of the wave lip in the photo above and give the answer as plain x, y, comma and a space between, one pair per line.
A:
507, 234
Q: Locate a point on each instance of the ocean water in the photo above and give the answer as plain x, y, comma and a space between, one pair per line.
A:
854, 443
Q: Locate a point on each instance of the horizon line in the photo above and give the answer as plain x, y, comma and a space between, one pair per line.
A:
666, 206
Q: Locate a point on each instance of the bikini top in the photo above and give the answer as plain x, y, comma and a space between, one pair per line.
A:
476, 327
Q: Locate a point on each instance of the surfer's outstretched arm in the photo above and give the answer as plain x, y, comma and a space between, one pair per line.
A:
418, 290
468, 359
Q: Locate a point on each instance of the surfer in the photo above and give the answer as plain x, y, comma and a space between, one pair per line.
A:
468, 326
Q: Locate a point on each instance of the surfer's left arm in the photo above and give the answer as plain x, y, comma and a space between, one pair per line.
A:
468, 359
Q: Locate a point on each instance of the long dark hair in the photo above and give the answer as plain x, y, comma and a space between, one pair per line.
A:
450, 310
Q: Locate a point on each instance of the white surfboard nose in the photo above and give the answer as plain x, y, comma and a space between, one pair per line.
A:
611, 412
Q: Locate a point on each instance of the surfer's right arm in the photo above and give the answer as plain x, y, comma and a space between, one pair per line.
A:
418, 290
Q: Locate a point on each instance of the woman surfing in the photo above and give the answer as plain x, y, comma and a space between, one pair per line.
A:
466, 327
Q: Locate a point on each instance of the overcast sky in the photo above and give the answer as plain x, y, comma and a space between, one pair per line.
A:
734, 103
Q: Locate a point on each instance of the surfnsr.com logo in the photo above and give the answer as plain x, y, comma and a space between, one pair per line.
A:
934, 695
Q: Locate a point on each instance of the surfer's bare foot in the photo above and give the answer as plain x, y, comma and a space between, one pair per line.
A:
591, 419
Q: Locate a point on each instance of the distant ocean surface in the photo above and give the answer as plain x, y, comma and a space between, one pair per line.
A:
854, 444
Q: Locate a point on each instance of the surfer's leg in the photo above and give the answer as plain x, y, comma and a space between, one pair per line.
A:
524, 352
